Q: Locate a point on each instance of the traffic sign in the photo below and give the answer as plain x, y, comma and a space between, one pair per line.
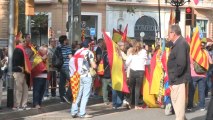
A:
201, 35
92, 31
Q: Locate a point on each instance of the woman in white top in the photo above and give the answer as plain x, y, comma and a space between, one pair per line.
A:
136, 61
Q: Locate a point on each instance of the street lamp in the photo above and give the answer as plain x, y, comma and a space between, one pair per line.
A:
177, 3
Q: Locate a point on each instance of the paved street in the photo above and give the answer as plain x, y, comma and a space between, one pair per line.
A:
102, 112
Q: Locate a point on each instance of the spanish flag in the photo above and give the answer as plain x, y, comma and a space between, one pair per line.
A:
118, 74
38, 65
27, 65
171, 20
198, 55
148, 98
124, 36
156, 74
117, 35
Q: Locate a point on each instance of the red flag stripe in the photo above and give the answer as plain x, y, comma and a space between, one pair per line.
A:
194, 42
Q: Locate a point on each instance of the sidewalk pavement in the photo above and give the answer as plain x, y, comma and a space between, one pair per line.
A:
50, 105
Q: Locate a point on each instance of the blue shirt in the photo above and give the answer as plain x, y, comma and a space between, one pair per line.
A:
66, 51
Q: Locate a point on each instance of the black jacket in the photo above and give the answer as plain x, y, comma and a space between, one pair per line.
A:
107, 72
18, 60
179, 62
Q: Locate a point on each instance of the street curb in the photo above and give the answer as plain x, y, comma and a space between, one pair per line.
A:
19, 115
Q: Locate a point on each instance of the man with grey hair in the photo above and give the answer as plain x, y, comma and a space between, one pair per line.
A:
178, 70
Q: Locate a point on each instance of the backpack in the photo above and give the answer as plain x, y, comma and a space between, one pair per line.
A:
199, 69
57, 58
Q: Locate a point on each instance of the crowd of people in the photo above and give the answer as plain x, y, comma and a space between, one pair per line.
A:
35, 68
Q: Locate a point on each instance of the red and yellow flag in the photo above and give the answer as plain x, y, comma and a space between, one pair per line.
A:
197, 54
156, 73
124, 36
171, 20
117, 35
118, 74
27, 65
38, 65
148, 98
74, 83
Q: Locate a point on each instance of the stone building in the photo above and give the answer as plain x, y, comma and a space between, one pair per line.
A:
140, 15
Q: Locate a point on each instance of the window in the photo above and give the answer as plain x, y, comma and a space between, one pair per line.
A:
202, 26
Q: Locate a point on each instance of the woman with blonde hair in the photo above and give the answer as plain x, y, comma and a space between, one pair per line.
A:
136, 62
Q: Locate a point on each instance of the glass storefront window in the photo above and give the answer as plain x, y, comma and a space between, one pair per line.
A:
202, 26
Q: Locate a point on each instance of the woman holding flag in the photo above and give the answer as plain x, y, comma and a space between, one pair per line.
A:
136, 62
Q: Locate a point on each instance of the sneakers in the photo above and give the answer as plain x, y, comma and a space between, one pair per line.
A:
202, 109
168, 109
106, 103
128, 106
66, 99
18, 109
26, 107
38, 107
74, 116
86, 116
46, 98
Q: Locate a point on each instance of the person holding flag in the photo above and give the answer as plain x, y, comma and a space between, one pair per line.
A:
79, 66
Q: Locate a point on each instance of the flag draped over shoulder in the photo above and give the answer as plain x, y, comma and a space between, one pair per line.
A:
38, 65
148, 98
197, 54
156, 73
75, 66
117, 35
118, 74
27, 65
124, 36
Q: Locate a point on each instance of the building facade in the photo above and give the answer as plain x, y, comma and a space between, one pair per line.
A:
140, 15
4, 22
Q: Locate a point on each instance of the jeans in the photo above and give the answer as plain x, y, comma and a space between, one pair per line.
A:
209, 86
51, 82
105, 83
39, 85
64, 76
201, 91
135, 83
83, 96
117, 98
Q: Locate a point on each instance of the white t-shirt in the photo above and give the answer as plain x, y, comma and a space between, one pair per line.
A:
138, 61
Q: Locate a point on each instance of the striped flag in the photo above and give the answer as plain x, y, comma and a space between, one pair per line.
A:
124, 36
118, 74
148, 98
27, 65
171, 20
156, 73
117, 35
197, 54
38, 65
